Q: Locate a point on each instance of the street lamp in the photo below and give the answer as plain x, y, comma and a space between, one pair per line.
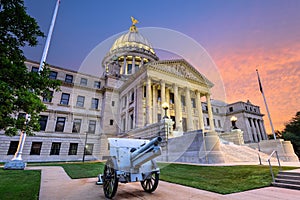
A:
165, 106
233, 120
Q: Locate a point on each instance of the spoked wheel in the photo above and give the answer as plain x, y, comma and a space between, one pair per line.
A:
110, 179
150, 184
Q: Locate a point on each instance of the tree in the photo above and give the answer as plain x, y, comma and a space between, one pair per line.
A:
292, 132
20, 90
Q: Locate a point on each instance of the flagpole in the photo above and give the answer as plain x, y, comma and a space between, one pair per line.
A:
47, 44
267, 108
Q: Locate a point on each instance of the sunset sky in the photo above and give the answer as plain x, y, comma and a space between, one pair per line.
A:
239, 35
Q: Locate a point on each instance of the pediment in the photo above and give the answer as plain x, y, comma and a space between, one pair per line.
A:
180, 68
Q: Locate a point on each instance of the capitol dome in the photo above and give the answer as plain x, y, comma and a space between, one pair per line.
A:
132, 40
128, 53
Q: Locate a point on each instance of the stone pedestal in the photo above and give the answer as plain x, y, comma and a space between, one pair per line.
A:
284, 148
15, 164
235, 136
212, 148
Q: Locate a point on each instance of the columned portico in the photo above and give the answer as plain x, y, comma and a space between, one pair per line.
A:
210, 114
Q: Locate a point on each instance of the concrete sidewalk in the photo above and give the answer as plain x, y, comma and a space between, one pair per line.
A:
56, 184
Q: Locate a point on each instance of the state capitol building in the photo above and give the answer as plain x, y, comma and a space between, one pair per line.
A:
136, 92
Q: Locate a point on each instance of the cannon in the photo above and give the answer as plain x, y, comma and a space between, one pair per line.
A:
131, 160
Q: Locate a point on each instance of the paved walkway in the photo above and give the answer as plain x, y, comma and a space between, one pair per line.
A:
56, 184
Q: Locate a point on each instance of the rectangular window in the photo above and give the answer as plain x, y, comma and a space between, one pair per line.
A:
145, 91
76, 126
230, 109
111, 122
182, 100
60, 124
193, 102
35, 69
132, 96
73, 148
124, 124
53, 75
131, 121
48, 97
83, 81
64, 98
80, 101
129, 68
36, 148
55, 148
219, 123
43, 122
92, 126
217, 110
12, 147
95, 103
158, 95
89, 149
69, 78
113, 103
172, 98
207, 121
97, 84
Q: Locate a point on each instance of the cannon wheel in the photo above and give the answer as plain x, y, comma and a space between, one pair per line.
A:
110, 179
150, 184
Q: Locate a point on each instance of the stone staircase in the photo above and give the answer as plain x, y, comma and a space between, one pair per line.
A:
289, 180
238, 153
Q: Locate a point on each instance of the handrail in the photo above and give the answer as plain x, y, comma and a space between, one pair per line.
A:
269, 160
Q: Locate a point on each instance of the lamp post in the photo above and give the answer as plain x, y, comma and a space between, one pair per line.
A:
165, 106
233, 120
85, 147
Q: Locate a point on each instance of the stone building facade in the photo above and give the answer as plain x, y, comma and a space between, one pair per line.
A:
128, 97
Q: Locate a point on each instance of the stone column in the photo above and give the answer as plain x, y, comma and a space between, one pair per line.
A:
264, 129
125, 66
210, 114
253, 130
168, 99
257, 130
148, 102
133, 65
178, 111
200, 112
249, 130
188, 102
142, 62
154, 102
163, 96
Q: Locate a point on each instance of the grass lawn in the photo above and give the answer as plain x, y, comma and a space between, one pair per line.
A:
19, 184
220, 179
24, 184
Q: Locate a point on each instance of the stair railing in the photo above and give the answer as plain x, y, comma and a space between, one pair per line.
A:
269, 160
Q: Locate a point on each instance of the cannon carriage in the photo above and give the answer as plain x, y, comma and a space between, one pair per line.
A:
131, 160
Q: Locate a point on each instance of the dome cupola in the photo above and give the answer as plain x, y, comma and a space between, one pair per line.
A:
130, 51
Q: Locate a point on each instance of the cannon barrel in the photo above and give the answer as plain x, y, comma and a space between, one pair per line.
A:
146, 152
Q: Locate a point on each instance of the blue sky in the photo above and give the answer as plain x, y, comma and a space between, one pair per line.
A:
239, 35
